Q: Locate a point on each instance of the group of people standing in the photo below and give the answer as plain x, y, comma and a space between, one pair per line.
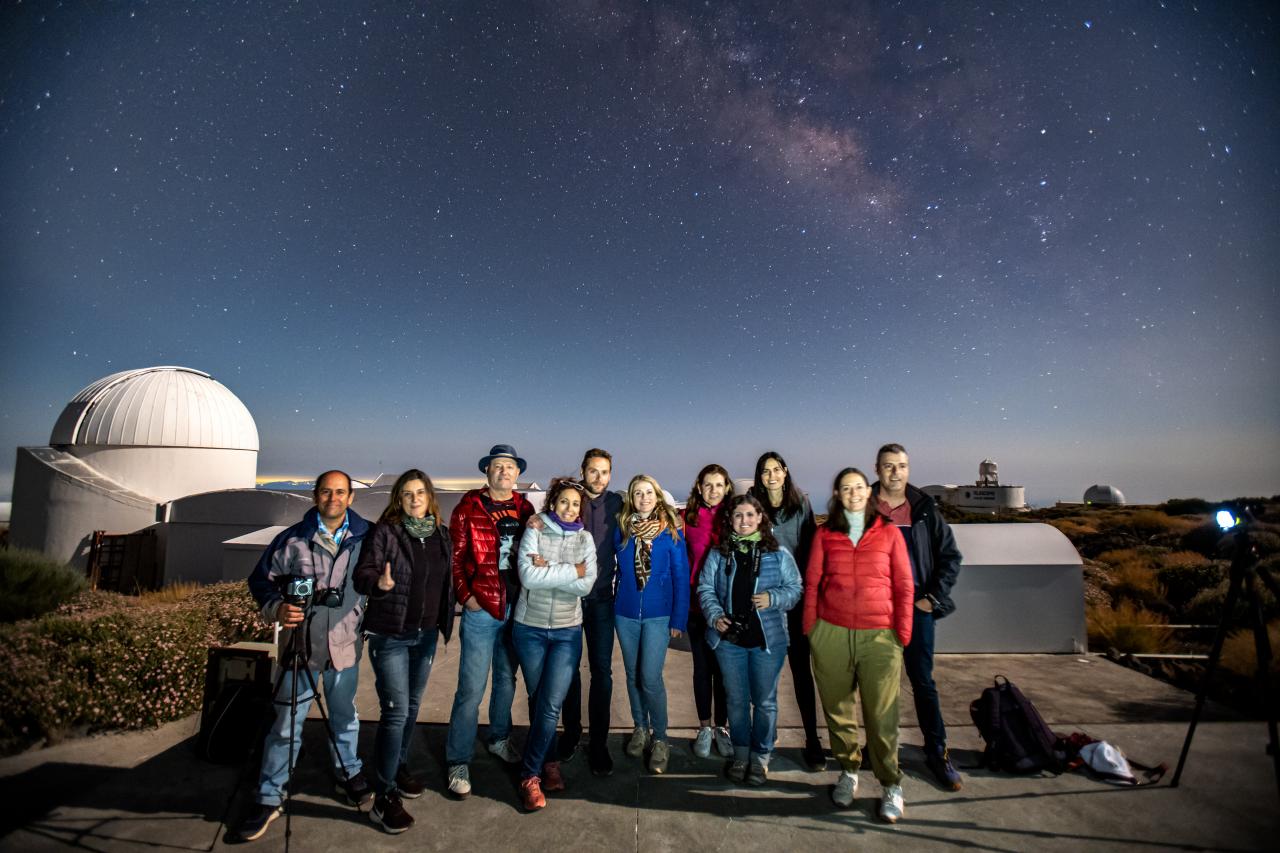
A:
751, 578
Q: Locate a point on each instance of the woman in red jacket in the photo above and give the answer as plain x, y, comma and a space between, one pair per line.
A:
857, 614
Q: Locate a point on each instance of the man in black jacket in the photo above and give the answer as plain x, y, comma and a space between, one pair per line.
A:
935, 564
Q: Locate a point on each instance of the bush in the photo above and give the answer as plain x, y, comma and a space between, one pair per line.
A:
1149, 522
108, 661
1239, 654
1128, 628
1186, 506
1183, 574
31, 584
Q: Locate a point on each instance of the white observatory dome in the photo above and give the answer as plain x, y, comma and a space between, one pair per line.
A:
156, 407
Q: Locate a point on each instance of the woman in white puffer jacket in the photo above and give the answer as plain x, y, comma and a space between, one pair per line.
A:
557, 565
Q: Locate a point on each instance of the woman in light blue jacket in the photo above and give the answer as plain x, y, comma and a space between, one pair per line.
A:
747, 585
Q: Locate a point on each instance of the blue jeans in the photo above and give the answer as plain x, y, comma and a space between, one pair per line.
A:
401, 666
917, 660
751, 687
597, 625
549, 658
340, 702
644, 651
485, 642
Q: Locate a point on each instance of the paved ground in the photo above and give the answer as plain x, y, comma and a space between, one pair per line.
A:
147, 791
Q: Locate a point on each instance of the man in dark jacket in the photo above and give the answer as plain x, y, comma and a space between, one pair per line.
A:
323, 547
485, 530
600, 517
935, 564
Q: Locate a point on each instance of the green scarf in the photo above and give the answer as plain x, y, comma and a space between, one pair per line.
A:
745, 543
419, 528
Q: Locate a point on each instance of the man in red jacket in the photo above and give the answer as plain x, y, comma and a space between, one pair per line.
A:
485, 528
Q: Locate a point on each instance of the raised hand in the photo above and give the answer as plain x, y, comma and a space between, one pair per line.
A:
385, 582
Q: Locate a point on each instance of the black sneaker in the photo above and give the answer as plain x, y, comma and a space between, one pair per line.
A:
410, 788
567, 745
814, 758
389, 813
257, 821
357, 792
599, 760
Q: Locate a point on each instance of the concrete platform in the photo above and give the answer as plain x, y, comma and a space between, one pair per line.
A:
147, 791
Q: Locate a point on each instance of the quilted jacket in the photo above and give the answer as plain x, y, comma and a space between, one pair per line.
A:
860, 588
475, 553
551, 595
389, 543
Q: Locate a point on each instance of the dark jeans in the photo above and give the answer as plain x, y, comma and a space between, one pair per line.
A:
401, 666
708, 682
548, 658
597, 625
801, 675
917, 659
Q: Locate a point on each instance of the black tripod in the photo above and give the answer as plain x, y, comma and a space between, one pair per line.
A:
297, 657
1245, 573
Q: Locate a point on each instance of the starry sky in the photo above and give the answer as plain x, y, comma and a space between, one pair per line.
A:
1043, 233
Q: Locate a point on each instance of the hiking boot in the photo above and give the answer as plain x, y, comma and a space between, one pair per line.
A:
257, 821
891, 807
846, 787
388, 813
504, 750
599, 759
567, 745
724, 743
757, 772
639, 740
814, 757
460, 781
658, 757
410, 788
702, 743
939, 762
735, 769
551, 778
531, 794
356, 791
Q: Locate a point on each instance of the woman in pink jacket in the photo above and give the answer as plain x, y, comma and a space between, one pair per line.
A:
857, 614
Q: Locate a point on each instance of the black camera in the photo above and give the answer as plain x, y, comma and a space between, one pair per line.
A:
738, 625
301, 592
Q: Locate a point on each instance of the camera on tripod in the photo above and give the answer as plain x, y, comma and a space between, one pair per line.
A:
301, 591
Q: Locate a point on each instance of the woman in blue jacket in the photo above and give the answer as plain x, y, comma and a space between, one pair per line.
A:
651, 607
746, 588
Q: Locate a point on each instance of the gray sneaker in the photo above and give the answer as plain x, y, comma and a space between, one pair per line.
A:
702, 743
846, 787
460, 781
891, 807
658, 757
757, 772
639, 740
724, 743
504, 750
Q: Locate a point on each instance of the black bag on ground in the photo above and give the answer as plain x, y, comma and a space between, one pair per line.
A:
1017, 738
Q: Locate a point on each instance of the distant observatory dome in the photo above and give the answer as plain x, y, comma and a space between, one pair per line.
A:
156, 407
1104, 495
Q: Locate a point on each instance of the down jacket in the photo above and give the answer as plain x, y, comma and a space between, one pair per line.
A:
861, 588
389, 543
779, 576
475, 553
667, 591
551, 595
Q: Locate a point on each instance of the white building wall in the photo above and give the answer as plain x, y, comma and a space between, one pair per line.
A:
167, 473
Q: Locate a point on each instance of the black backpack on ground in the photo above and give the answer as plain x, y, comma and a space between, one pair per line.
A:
1017, 738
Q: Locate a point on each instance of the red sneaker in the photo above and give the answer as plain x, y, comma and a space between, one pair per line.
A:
531, 794
551, 778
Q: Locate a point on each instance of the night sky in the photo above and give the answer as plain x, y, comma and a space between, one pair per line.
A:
687, 232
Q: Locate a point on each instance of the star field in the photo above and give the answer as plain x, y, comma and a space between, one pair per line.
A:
687, 232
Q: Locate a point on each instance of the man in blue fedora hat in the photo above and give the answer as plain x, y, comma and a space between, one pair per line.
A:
485, 530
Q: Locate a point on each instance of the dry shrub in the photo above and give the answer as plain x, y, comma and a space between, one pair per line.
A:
1183, 560
1240, 656
1150, 522
1133, 574
1073, 527
174, 592
1128, 628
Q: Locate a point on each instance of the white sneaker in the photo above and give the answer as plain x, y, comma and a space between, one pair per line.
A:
639, 741
724, 744
702, 743
460, 781
891, 807
504, 750
846, 787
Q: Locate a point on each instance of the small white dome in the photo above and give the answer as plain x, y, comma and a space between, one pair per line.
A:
156, 407
1103, 495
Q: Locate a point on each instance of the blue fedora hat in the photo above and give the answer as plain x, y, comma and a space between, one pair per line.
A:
502, 451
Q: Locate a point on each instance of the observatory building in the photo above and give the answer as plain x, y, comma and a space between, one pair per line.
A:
986, 495
1103, 496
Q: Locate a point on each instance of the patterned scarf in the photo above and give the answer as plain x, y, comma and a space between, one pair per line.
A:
644, 531
745, 543
419, 528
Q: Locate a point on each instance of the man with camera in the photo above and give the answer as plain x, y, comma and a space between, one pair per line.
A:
303, 581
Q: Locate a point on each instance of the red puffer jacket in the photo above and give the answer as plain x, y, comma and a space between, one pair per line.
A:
475, 552
862, 588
